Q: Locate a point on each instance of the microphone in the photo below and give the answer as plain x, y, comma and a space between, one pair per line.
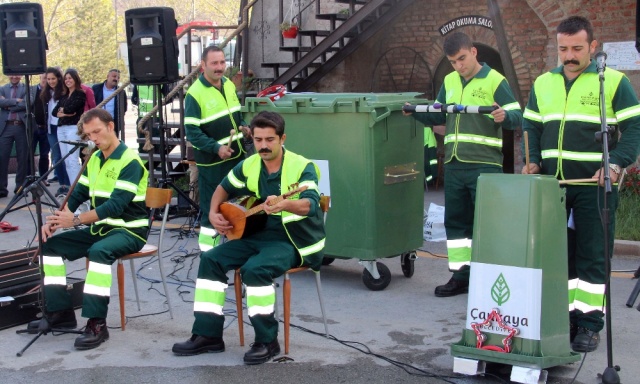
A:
89, 144
449, 108
601, 62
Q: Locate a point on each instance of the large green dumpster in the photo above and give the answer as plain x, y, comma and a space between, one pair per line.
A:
519, 270
375, 161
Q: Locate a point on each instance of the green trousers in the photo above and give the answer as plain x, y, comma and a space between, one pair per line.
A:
460, 184
261, 258
208, 180
587, 274
102, 252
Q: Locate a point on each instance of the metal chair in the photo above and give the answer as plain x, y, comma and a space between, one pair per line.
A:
156, 198
286, 292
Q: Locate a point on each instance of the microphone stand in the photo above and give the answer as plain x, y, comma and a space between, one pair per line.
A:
610, 374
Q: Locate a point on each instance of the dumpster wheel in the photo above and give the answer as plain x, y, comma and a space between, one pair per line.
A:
377, 284
407, 263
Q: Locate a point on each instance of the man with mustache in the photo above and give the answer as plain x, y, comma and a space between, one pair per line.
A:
292, 236
561, 118
214, 126
472, 145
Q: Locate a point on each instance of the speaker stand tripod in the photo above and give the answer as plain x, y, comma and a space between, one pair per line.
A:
165, 180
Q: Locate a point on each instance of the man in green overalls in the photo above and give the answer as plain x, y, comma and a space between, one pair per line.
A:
472, 145
292, 236
214, 127
115, 181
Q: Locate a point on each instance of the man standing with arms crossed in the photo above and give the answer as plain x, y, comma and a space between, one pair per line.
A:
561, 119
473, 145
211, 114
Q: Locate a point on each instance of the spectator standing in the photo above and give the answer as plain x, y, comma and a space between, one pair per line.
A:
13, 131
116, 106
53, 92
40, 136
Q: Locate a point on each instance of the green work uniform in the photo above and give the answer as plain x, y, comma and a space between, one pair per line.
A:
116, 187
561, 119
210, 114
287, 241
473, 145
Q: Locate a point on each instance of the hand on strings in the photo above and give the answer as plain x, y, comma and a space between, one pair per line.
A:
220, 224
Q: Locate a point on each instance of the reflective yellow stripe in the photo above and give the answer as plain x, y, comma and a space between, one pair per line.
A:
474, 139
220, 114
628, 112
572, 155
310, 184
83, 180
311, 249
231, 177
192, 121
531, 115
127, 186
292, 217
511, 106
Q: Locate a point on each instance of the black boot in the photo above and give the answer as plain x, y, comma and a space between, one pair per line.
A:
198, 344
452, 288
261, 352
65, 319
585, 340
94, 334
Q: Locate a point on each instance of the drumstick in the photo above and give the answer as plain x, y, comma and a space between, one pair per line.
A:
526, 150
561, 182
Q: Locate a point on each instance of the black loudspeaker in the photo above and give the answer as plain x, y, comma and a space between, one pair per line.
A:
152, 45
24, 43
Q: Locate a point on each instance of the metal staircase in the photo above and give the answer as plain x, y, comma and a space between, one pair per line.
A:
347, 32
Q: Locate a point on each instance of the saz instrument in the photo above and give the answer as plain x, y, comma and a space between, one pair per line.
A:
245, 221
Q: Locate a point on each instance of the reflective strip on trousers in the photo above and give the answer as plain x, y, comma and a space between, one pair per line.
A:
261, 300
55, 272
586, 297
98, 280
459, 253
206, 241
209, 296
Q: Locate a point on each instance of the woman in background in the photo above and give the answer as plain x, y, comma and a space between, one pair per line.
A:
69, 109
53, 91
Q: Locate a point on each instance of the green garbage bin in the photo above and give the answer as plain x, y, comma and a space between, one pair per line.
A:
374, 158
518, 276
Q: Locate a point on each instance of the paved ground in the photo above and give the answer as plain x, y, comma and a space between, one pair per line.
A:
399, 335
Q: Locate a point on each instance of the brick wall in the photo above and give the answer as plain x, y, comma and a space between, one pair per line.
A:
409, 51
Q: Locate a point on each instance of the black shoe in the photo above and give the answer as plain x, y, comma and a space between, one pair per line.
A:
585, 340
573, 330
198, 344
94, 334
261, 353
53, 180
65, 319
452, 288
4, 194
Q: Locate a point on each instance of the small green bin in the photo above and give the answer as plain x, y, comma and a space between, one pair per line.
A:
375, 161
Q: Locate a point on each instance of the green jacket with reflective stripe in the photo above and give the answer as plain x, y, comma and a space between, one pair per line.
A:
562, 118
305, 232
209, 115
116, 187
475, 138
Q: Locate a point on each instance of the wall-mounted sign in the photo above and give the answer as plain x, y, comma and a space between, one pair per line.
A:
622, 55
464, 21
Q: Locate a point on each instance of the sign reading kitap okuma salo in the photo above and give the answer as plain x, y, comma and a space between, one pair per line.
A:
515, 291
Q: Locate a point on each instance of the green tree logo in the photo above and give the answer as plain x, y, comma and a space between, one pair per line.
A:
500, 292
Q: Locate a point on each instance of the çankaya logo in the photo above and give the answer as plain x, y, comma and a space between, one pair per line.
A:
500, 292
590, 99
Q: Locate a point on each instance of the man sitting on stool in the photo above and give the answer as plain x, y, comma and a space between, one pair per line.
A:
116, 183
293, 236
